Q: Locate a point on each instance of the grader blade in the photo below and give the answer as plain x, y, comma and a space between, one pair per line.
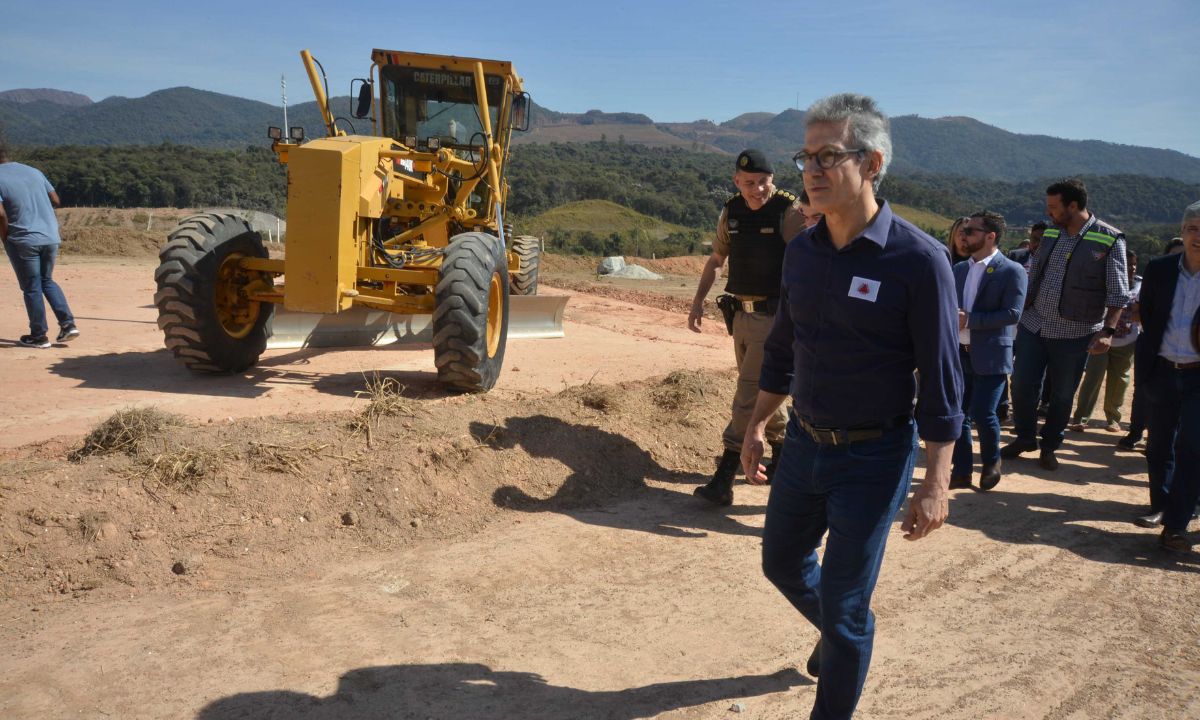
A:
529, 317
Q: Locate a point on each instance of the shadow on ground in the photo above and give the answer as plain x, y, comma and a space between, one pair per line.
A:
460, 691
1068, 522
159, 371
604, 464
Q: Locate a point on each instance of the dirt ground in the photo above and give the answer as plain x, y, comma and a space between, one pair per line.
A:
534, 552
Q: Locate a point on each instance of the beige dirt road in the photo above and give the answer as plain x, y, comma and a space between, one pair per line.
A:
119, 360
531, 553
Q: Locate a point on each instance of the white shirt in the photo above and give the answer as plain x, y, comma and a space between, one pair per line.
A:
971, 289
1177, 336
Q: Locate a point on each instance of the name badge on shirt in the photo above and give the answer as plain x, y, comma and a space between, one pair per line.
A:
864, 289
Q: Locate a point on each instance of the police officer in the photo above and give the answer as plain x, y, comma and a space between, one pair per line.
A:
752, 232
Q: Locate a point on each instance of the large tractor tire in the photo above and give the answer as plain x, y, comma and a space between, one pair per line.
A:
205, 318
470, 321
529, 249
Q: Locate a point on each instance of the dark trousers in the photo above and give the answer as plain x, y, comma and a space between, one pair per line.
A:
35, 267
1173, 445
1062, 363
854, 492
1137, 410
981, 393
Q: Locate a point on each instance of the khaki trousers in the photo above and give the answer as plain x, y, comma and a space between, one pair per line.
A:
750, 331
1113, 368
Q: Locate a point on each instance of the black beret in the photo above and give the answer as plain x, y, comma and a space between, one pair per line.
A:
753, 161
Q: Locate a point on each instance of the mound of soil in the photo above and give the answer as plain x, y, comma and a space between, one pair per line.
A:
198, 505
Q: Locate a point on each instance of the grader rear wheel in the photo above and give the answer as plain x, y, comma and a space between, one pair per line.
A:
206, 319
529, 249
470, 321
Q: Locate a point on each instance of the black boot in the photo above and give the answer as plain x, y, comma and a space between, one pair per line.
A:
719, 490
776, 450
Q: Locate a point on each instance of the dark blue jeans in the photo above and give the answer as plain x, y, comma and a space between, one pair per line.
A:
1137, 411
1173, 444
981, 393
1062, 363
853, 491
35, 267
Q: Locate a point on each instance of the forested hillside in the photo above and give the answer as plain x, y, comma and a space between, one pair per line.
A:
959, 146
672, 185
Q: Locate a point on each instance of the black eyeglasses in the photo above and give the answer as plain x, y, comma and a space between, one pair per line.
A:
972, 231
825, 158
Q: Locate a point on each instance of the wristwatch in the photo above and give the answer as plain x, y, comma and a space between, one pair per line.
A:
1109, 331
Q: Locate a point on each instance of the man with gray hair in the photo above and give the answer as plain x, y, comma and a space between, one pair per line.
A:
866, 299
1168, 361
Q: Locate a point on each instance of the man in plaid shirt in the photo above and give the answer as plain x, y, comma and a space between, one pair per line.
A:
1078, 285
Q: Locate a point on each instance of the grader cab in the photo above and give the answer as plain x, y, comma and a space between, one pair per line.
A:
394, 235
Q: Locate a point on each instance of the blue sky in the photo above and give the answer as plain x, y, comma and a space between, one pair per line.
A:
1104, 69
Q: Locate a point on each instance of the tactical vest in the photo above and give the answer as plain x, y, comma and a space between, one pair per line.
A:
756, 244
1085, 282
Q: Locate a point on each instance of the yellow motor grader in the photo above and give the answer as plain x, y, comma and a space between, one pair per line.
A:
392, 236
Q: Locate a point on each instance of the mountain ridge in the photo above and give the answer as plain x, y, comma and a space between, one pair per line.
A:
955, 145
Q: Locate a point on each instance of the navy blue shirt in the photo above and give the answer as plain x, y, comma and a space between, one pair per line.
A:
853, 324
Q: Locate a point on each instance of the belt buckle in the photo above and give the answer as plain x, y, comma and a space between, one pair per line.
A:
747, 305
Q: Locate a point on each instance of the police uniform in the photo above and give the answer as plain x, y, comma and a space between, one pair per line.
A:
754, 242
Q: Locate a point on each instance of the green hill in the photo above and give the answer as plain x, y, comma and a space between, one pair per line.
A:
598, 216
924, 219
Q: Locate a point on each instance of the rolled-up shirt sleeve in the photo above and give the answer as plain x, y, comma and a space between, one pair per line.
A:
778, 367
933, 322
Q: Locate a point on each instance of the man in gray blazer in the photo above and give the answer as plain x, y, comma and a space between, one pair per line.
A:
991, 293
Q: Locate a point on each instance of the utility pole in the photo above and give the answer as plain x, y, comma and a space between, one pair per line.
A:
283, 90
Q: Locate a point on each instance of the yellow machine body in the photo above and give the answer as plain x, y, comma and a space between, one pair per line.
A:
393, 234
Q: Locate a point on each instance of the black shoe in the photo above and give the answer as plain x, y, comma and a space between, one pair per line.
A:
1002, 413
776, 450
1129, 442
35, 341
1152, 520
719, 490
960, 482
1043, 410
990, 477
814, 661
1174, 541
1047, 460
1016, 447
67, 333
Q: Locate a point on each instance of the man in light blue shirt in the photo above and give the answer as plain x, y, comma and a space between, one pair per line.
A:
1169, 368
29, 231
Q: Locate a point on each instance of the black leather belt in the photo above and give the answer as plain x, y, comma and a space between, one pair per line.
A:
1178, 365
763, 306
846, 436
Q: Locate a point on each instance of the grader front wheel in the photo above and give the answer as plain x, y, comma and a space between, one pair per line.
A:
206, 319
470, 321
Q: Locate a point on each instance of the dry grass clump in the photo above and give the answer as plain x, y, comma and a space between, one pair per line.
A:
127, 431
680, 390
265, 457
597, 397
385, 398
185, 469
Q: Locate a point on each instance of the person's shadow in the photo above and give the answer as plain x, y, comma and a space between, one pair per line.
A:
471, 691
604, 466
1065, 521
